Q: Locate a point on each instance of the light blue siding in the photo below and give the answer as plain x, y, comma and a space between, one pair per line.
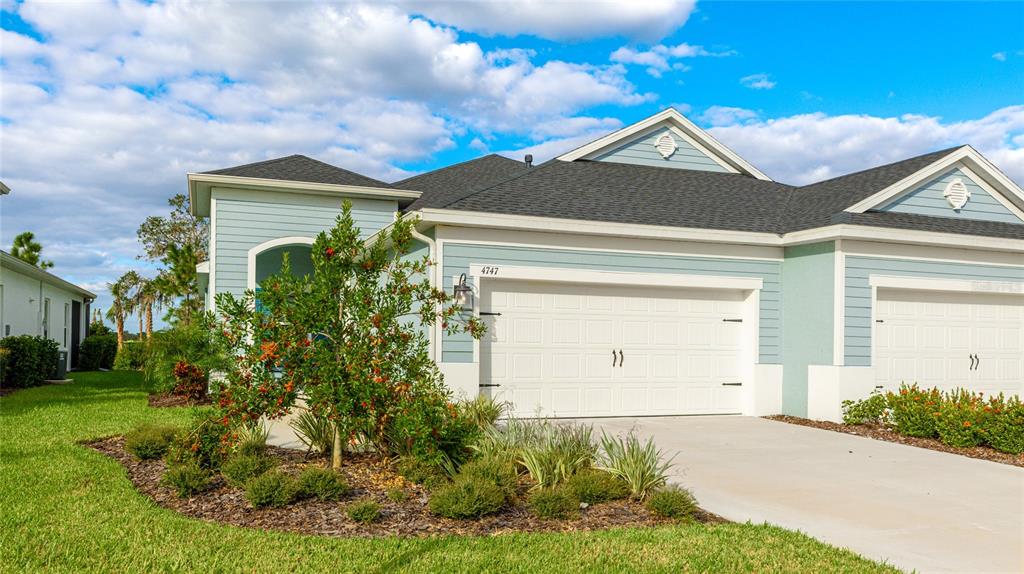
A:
808, 273
641, 151
928, 199
243, 224
458, 257
857, 326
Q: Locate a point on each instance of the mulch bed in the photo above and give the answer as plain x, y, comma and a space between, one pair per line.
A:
370, 478
882, 433
168, 400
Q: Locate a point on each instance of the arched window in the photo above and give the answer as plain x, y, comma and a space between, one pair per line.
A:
266, 258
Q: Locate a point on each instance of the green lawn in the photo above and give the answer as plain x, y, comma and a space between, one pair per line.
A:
65, 508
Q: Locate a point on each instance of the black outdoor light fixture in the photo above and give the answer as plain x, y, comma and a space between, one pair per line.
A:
463, 294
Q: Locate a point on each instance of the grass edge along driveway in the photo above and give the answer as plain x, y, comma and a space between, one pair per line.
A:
65, 508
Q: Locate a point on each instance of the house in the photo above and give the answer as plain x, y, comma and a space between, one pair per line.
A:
654, 271
38, 303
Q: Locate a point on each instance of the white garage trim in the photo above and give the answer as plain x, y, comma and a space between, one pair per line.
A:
960, 285
750, 316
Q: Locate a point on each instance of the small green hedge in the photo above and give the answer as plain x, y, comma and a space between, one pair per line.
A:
131, 356
97, 352
960, 419
27, 361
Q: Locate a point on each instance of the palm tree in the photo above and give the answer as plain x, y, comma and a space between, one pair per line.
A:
147, 296
122, 304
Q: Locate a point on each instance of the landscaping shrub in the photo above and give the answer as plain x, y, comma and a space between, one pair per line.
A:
363, 511
271, 489
27, 361
471, 497
200, 442
241, 468
322, 484
131, 356
1003, 424
595, 486
149, 442
397, 495
638, 465
557, 452
314, 430
672, 502
189, 381
498, 472
252, 439
872, 410
421, 472
187, 478
482, 411
914, 410
553, 503
193, 343
959, 419
97, 352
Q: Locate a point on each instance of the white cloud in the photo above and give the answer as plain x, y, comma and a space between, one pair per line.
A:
805, 148
725, 115
658, 58
561, 19
999, 56
758, 82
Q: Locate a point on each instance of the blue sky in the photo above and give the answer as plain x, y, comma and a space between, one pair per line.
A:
106, 106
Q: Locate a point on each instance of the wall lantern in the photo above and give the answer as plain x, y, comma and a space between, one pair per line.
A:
463, 294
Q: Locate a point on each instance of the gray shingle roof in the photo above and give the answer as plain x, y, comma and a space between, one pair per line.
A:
300, 168
447, 184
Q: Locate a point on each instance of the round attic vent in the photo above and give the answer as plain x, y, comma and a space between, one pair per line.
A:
957, 194
666, 145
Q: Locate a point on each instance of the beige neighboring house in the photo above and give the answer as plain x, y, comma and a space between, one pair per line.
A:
36, 302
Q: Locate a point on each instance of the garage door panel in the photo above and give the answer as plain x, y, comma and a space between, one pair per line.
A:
552, 348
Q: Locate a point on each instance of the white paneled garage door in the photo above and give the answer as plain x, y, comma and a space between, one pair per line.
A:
950, 340
572, 350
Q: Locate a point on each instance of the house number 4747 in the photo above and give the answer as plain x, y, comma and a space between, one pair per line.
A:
489, 270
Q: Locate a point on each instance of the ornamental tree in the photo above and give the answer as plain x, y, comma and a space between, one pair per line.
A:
351, 337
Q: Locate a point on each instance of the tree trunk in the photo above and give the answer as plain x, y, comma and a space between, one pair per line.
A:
140, 324
120, 332
336, 451
149, 322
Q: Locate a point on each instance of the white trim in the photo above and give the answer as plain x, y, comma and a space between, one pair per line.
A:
203, 268
212, 286
939, 254
839, 306
672, 117
957, 285
980, 182
904, 236
966, 156
250, 267
568, 275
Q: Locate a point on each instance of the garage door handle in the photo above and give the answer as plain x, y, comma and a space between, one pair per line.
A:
614, 358
732, 384
622, 358
489, 385
973, 359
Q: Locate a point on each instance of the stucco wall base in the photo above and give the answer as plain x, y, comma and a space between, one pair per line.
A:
766, 396
828, 386
462, 378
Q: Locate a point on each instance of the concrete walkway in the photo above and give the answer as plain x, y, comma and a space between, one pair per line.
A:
912, 507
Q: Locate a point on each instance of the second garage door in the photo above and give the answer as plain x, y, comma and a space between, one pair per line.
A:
950, 340
572, 350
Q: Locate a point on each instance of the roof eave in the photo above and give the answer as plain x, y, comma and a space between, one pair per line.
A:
25, 268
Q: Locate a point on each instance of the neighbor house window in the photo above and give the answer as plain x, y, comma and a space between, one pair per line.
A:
46, 318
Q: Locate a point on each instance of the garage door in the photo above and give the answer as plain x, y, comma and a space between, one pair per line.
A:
571, 350
950, 340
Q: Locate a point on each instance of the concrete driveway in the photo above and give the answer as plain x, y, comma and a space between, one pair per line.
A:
912, 507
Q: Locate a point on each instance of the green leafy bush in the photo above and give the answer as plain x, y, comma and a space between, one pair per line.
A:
553, 503
149, 442
638, 465
97, 352
397, 495
914, 410
241, 468
271, 489
193, 343
482, 411
314, 430
595, 486
959, 419
498, 472
421, 472
672, 502
471, 497
322, 484
27, 361
363, 511
872, 410
1002, 424
187, 478
252, 439
557, 452
200, 442
131, 356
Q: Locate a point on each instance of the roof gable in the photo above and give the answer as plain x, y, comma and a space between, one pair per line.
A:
300, 168
682, 128
665, 147
955, 194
